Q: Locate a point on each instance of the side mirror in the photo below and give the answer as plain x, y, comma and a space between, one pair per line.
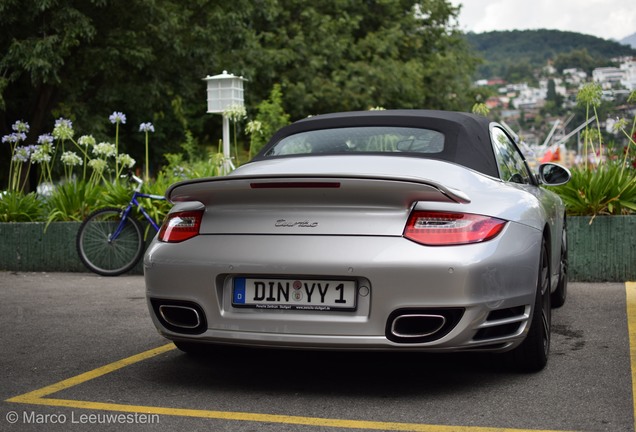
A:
551, 174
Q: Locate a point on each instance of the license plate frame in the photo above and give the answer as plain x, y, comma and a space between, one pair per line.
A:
299, 294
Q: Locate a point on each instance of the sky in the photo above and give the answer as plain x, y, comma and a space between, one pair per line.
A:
607, 19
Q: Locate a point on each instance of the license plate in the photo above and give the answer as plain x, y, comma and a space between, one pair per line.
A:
294, 294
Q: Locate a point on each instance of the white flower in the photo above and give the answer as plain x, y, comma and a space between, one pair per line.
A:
253, 127
125, 160
146, 127
71, 158
235, 113
86, 140
14, 138
46, 141
21, 127
63, 129
40, 155
105, 149
22, 154
117, 117
98, 165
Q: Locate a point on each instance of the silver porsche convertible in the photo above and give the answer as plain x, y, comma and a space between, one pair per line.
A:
380, 230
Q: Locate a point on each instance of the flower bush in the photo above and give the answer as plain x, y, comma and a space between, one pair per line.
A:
20, 154
604, 185
91, 170
91, 174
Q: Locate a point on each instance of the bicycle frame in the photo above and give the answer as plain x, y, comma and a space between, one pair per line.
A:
134, 203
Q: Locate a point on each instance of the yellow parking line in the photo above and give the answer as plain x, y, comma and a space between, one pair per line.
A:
270, 418
630, 290
87, 376
38, 397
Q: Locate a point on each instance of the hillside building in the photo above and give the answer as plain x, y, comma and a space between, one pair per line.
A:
608, 77
629, 68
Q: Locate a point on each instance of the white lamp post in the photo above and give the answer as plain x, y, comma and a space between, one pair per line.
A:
224, 91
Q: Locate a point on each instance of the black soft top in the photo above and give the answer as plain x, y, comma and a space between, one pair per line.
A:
467, 136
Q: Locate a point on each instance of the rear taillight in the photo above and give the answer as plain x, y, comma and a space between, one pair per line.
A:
180, 226
443, 228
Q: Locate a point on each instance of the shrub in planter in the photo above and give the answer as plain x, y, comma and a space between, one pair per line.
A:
608, 190
16, 206
72, 201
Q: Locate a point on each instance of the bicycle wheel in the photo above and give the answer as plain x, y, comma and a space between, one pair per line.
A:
102, 255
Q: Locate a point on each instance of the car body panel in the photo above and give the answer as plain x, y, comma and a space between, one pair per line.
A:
390, 266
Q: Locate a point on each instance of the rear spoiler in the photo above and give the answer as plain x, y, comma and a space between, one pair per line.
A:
204, 189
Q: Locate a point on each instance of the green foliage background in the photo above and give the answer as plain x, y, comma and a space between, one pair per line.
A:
84, 59
515, 55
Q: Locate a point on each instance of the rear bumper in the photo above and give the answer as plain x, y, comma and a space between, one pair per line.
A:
493, 284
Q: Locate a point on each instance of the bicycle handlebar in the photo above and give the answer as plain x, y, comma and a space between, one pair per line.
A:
137, 179
133, 178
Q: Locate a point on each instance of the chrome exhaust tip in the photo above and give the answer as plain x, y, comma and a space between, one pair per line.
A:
417, 325
180, 316
412, 326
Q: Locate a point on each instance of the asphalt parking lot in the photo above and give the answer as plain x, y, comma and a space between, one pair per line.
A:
79, 353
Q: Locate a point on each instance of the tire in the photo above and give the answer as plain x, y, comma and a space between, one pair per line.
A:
532, 354
105, 257
560, 294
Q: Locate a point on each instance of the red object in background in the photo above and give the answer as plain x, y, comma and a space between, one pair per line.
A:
551, 156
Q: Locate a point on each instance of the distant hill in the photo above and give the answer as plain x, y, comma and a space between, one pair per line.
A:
629, 40
517, 51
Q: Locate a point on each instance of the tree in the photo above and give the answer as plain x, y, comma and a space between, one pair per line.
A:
554, 101
147, 59
144, 58
269, 118
580, 59
335, 55
521, 71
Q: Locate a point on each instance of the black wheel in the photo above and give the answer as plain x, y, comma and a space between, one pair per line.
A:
532, 354
99, 252
560, 294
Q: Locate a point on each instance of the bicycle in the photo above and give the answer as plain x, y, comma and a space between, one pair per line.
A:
109, 241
